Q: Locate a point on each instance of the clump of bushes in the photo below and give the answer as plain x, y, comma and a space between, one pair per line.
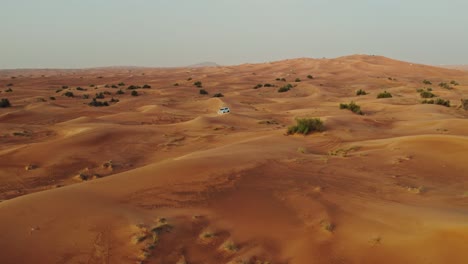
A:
203, 91
100, 96
268, 85
285, 88
120, 91
4, 103
426, 94
454, 83
306, 125
385, 94
258, 86
96, 103
198, 84
218, 95
68, 94
80, 89
134, 93
445, 85
426, 82
146, 86
114, 86
360, 92
353, 107
438, 101
310, 77
464, 103
133, 87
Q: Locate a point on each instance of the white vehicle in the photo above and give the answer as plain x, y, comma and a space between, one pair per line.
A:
224, 110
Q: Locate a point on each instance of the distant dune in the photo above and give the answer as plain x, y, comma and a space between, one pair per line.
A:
134, 165
204, 64
457, 67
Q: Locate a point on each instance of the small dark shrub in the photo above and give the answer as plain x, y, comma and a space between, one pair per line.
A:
297, 80
440, 101
100, 96
385, 94
80, 89
114, 86
9, 90
107, 93
464, 103
278, 79
306, 125
218, 95
4, 103
134, 93
426, 82
85, 96
92, 85
454, 83
258, 86
203, 91
176, 84
58, 90
283, 79
146, 86
445, 85
360, 92
106, 86
64, 87
426, 94
310, 76
198, 84
98, 103
52, 98
68, 94
189, 79
120, 92
283, 89
113, 100
268, 85
121, 84
353, 107
133, 87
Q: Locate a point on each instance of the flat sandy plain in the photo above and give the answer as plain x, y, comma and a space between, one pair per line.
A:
162, 178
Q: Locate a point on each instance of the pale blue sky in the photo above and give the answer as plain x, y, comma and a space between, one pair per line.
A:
89, 33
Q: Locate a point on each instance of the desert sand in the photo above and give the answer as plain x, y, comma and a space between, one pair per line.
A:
162, 178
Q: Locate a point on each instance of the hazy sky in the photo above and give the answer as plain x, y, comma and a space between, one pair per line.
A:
88, 33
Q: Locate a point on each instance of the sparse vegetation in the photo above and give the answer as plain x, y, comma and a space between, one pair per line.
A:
310, 77
438, 101
268, 85
445, 85
218, 95
454, 83
64, 87
133, 87
353, 107
258, 86
360, 92
80, 89
85, 96
52, 98
297, 80
96, 103
203, 91
327, 225
4, 103
100, 96
306, 125
285, 88
176, 84
120, 92
68, 94
58, 90
9, 90
134, 93
464, 103
121, 84
426, 82
114, 86
146, 86
198, 84
385, 94
426, 94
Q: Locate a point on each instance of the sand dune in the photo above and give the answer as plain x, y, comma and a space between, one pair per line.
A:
162, 178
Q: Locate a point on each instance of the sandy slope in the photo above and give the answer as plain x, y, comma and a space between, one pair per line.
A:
161, 178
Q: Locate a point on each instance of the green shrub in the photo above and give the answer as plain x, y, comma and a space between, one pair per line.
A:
4, 103
438, 101
360, 92
310, 76
98, 103
120, 91
426, 94
427, 82
218, 95
454, 83
306, 125
353, 107
134, 93
68, 94
285, 88
385, 94
198, 84
203, 91
297, 80
445, 85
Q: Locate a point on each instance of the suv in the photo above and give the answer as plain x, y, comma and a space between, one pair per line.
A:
224, 110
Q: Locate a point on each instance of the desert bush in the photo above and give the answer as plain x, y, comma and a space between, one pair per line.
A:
146, 86
68, 94
440, 101
268, 85
100, 96
258, 86
92, 85
464, 103
114, 86
385, 94
9, 90
306, 125
218, 95
203, 91
278, 79
52, 98
310, 76
134, 93
85, 96
121, 84
353, 107
58, 90
133, 87
426, 94
107, 93
360, 92
113, 100
189, 79
80, 89
283, 79
120, 91
285, 88
297, 80
198, 84
176, 84
426, 82
107, 86
98, 103
4, 103
454, 83
64, 87
445, 85
425, 101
